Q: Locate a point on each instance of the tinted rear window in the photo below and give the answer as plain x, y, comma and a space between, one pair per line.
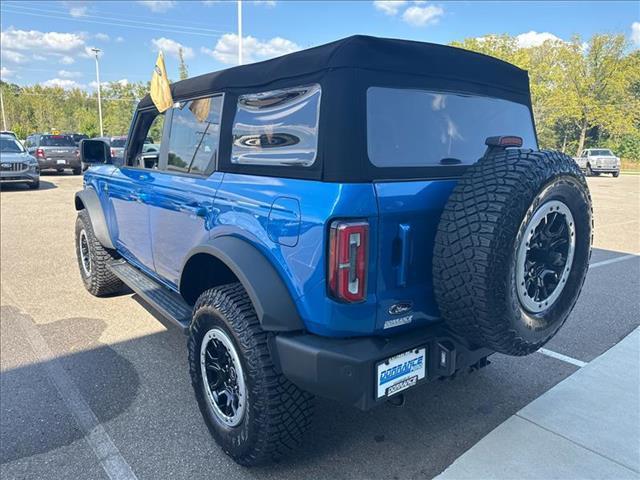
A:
57, 141
416, 128
278, 127
118, 142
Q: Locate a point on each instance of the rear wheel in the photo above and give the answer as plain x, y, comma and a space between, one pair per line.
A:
512, 249
77, 171
254, 413
93, 260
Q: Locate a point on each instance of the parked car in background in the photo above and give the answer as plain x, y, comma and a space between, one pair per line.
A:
54, 152
116, 144
594, 161
9, 132
77, 137
16, 165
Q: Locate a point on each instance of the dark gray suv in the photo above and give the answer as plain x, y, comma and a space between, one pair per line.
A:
55, 152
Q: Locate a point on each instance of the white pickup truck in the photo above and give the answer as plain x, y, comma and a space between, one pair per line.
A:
594, 161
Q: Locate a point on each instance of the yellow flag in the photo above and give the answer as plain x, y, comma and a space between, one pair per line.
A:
160, 90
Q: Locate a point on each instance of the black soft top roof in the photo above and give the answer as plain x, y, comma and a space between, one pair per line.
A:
362, 52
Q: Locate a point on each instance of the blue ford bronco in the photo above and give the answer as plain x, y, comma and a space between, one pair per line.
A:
348, 221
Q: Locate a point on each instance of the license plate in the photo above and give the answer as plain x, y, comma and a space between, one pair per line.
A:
61, 162
400, 372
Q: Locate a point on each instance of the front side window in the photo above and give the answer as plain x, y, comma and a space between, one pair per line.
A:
139, 154
418, 128
195, 135
278, 127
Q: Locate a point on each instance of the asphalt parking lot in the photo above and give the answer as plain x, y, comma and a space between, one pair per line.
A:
71, 364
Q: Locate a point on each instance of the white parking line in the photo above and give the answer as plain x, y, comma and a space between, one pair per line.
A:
613, 260
564, 358
110, 458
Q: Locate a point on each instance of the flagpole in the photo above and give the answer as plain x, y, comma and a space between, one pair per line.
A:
96, 51
239, 32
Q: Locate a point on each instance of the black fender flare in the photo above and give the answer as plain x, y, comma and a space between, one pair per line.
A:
88, 200
270, 296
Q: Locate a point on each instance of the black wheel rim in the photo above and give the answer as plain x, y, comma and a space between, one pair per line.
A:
85, 253
545, 256
222, 377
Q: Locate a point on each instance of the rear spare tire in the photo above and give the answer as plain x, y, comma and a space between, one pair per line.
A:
512, 249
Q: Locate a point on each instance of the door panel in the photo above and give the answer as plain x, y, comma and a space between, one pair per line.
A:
181, 215
127, 192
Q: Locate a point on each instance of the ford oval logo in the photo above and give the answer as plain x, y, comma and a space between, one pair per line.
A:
399, 308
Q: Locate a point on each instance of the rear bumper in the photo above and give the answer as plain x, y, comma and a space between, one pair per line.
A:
345, 369
54, 165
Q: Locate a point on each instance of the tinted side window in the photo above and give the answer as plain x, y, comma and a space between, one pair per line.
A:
415, 128
195, 135
278, 127
140, 154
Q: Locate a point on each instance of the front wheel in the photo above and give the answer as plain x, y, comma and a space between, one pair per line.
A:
615, 174
35, 185
77, 171
93, 260
253, 412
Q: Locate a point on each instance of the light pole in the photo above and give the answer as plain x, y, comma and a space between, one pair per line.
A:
96, 51
239, 32
4, 120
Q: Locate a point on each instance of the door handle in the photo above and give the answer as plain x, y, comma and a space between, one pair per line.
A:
405, 249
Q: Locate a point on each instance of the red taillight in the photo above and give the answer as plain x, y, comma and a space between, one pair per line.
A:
77, 153
348, 245
113, 153
39, 153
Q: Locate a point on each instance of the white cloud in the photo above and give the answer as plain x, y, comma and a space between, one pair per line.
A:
535, 39
47, 42
68, 74
268, 3
62, 83
67, 60
389, 7
157, 6
635, 33
123, 81
419, 16
5, 73
103, 37
79, 11
76, 8
171, 47
119, 39
226, 49
11, 56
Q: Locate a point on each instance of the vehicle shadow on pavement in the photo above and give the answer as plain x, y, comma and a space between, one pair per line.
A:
44, 185
34, 418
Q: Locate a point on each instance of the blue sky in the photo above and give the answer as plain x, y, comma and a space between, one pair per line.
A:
47, 42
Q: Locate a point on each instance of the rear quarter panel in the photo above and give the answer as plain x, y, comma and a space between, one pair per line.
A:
244, 207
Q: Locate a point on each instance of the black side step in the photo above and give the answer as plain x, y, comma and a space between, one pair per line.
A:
168, 303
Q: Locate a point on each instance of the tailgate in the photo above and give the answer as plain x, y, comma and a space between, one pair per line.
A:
408, 219
55, 153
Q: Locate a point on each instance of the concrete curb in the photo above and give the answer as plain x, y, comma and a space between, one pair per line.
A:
587, 426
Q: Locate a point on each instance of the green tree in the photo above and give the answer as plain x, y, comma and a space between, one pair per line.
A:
183, 71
